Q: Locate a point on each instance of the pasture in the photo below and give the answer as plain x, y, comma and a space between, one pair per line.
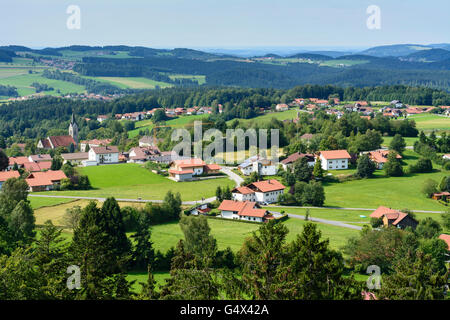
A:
132, 181
429, 122
267, 117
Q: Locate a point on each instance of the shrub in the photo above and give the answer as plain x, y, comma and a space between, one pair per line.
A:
429, 187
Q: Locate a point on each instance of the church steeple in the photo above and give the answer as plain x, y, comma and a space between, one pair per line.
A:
73, 129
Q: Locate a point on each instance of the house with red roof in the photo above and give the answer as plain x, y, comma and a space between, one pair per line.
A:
446, 239
243, 210
54, 142
266, 191
45, 181
392, 217
186, 169
334, 159
102, 155
20, 161
379, 157
5, 175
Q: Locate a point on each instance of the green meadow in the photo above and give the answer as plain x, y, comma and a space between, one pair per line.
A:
429, 122
132, 181
284, 115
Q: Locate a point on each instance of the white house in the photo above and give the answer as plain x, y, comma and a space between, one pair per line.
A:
243, 210
102, 155
263, 166
75, 158
282, 107
200, 209
334, 159
102, 118
446, 156
267, 191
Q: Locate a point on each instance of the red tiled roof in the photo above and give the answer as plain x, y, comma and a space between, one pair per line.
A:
380, 156
446, 238
381, 211
47, 178
40, 157
335, 154
18, 160
267, 185
173, 171
189, 163
8, 175
34, 166
243, 208
213, 166
242, 190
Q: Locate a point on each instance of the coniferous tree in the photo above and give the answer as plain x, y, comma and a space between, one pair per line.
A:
318, 171
365, 167
4, 160
398, 144
393, 167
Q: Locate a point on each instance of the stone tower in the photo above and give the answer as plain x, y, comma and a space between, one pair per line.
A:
73, 129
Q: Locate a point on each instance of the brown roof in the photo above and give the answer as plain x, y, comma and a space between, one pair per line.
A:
105, 150
267, 185
75, 156
173, 171
446, 238
8, 175
335, 154
295, 156
61, 141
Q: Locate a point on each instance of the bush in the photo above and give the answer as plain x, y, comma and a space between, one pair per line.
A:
429, 187
422, 165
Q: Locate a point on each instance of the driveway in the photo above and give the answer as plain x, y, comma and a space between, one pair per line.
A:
233, 176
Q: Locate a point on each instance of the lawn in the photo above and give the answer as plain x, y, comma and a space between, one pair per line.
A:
329, 214
396, 192
37, 202
132, 181
175, 123
409, 141
284, 115
429, 122
133, 82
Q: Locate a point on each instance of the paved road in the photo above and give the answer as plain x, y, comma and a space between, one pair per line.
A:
233, 176
331, 222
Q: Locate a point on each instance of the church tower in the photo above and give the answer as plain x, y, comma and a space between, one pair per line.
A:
73, 129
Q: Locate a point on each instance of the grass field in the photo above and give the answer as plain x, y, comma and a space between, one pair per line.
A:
20, 79
429, 122
200, 79
133, 82
37, 203
175, 123
131, 181
284, 115
409, 141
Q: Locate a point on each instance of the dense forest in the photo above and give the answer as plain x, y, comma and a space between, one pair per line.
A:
8, 91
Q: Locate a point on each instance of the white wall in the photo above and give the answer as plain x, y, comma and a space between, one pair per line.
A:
335, 164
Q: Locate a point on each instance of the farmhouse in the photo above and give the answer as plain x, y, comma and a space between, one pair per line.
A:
289, 161
379, 157
102, 155
266, 191
54, 142
262, 166
394, 218
444, 196
334, 159
44, 181
8, 175
243, 210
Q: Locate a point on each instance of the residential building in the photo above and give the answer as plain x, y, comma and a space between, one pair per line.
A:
37, 166
186, 169
102, 155
262, 166
54, 142
76, 158
102, 118
40, 158
266, 191
243, 210
200, 209
446, 156
5, 175
93, 143
394, 218
44, 181
20, 161
146, 141
143, 154
334, 159
282, 107
289, 161
379, 157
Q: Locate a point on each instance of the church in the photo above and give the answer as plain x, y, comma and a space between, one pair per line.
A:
54, 142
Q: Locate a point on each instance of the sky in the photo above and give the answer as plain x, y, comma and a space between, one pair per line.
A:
313, 24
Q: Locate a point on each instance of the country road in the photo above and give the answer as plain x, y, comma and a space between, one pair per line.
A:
233, 176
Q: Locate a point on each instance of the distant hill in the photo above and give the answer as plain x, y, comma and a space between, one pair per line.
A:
432, 55
311, 56
396, 50
333, 54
